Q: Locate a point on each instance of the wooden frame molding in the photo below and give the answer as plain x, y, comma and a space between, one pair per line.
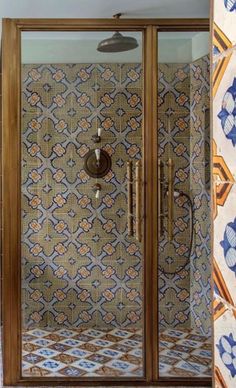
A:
11, 64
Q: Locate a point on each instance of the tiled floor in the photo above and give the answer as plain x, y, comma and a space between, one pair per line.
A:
92, 353
88, 353
183, 353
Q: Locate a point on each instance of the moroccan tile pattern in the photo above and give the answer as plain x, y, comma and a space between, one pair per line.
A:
117, 353
174, 142
82, 353
184, 353
80, 268
224, 143
200, 266
183, 130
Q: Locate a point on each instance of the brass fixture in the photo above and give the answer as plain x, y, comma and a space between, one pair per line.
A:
170, 165
138, 189
118, 42
161, 200
130, 198
96, 189
97, 137
97, 163
138, 201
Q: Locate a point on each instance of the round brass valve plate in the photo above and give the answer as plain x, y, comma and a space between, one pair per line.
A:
91, 166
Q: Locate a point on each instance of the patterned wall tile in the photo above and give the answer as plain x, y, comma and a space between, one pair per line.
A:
224, 248
224, 190
80, 267
200, 290
224, 342
220, 44
224, 116
224, 17
183, 127
173, 135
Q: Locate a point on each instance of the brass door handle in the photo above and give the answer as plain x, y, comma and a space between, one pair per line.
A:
130, 198
161, 186
138, 181
170, 165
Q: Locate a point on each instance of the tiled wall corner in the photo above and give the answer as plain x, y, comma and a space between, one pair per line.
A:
224, 186
200, 268
173, 135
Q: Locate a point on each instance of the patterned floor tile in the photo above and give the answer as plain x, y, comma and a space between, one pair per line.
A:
117, 353
46, 352
121, 365
51, 365
71, 371
87, 365
184, 353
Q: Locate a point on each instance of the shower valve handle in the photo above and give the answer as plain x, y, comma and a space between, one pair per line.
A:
97, 189
97, 138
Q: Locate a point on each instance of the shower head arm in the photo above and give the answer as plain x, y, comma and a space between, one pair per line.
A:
117, 15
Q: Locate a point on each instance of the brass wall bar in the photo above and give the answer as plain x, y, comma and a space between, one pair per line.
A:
138, 201
170, 165
130, 198
161, 188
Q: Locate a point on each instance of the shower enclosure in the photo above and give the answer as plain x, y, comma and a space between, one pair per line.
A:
106, 202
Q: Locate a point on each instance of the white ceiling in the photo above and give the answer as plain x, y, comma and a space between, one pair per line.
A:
104, 8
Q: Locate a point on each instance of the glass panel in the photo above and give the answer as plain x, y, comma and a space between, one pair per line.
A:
82, 269
184, 271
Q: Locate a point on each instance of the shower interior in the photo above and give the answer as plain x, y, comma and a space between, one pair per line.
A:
82, 274
184, 268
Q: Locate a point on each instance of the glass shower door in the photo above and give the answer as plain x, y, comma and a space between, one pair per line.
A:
81, 200
184, 252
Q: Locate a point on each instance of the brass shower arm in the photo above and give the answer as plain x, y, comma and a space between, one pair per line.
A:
117, 15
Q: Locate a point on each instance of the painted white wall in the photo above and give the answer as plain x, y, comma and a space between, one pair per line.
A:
76, 47
182, 48
82, 48
54, 51
200, 45
174, 50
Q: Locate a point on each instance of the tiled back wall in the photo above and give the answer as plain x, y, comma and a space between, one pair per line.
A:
224, 170
174, 143
184, 285
80, 268
200, 263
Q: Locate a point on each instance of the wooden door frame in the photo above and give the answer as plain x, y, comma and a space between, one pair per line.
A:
165, 381
11, 107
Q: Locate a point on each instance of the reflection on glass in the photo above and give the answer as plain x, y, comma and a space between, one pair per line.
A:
184, 208
82, 274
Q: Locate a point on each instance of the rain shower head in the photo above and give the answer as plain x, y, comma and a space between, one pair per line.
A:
118, 42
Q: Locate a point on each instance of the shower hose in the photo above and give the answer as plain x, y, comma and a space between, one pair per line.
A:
191, 210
